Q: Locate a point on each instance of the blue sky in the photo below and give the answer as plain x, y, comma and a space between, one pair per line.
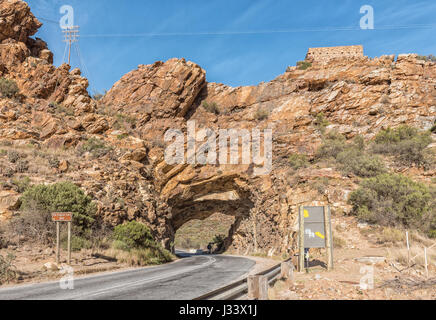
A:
244, 52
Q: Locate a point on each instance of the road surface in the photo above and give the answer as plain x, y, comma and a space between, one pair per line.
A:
185, 279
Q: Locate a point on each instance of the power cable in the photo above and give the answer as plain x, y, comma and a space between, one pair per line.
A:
83, 65
321, 29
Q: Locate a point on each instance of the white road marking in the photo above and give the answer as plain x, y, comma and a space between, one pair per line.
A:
140, 282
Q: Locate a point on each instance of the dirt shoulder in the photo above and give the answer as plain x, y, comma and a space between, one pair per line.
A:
365, 257
34, 264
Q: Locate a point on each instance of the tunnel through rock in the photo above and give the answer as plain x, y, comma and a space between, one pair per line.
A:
203, 218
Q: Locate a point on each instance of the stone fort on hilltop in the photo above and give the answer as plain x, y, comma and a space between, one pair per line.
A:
328, 53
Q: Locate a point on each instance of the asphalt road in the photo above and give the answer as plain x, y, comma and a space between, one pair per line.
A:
187, 278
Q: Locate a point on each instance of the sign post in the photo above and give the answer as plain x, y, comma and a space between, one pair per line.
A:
59, 217
328, 238
69, 242
315, 232
58, 237
301, 241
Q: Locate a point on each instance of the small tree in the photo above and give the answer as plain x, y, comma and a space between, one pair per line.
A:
39, 201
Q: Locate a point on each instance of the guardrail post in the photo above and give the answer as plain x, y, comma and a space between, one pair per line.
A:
287, 271
263, 288
253, 287
257, 287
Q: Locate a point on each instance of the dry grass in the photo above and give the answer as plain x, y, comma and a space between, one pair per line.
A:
416, 252
391, 236
279, 286
417, 243
417, 237
338, 242
140, 257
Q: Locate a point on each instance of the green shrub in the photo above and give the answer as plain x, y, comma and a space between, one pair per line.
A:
53, 162
303, 65
433, 128
218, 241
392, 136
95, 146
134, 235
261, 114
8, 270
122, 136
123, 122
392, 200
430, 58
13, 156
333, 144
58, 108
359, 163
22, 166
211, 107
321, 123
153, 255
320, 184
8, 88
134, 244
298, 161
61, 197
77, 243
408, 145
21, 184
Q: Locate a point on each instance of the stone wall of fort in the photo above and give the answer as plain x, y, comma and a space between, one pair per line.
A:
322, 55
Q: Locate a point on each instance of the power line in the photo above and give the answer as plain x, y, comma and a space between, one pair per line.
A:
252, 32
83, 64
65, 52
48, 20
321, 29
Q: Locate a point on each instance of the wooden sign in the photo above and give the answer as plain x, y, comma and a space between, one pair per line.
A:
59, 217
62, 216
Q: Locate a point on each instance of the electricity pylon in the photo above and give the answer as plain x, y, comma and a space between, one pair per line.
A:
71, 35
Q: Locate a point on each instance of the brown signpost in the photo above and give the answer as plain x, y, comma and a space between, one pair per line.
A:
59, 217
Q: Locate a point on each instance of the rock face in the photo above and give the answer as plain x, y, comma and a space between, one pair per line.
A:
115, 149
16, 21
29, 63
161, 90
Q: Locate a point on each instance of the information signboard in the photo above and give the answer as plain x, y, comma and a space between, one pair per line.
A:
315, 232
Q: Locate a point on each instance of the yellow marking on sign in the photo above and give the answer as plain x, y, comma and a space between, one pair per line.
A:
319, 234
306, 214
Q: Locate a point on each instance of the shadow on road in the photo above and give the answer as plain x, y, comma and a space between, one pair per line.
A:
186, 254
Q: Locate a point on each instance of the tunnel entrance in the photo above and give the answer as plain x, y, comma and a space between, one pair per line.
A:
215, 216
196, 234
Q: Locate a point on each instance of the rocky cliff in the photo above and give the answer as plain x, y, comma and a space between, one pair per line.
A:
114, 148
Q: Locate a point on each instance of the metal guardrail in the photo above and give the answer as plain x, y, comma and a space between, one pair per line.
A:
239, 289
